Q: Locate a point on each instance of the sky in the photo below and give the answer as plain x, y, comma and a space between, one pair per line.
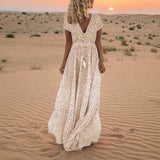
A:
100, 6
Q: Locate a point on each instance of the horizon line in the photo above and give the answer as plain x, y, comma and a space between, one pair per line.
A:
93, 12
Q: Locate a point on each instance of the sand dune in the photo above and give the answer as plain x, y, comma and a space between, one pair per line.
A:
130, 94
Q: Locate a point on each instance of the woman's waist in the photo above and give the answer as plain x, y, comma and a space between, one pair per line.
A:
84, 43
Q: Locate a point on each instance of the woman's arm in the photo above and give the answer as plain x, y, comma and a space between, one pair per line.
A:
100, 51
68, 46
99, 45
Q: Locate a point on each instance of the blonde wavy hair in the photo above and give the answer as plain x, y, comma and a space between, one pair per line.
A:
77, 10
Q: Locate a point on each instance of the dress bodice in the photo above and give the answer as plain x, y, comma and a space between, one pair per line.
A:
78, 35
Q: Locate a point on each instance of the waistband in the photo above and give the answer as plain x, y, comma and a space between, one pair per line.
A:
84, 43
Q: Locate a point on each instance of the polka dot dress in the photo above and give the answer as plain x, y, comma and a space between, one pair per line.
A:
75, 120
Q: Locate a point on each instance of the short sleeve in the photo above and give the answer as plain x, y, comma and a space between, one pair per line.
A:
66, 25
99, 22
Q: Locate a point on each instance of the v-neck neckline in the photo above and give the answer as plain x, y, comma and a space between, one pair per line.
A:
87, 26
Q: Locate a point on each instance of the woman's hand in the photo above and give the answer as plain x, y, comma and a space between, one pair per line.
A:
62, 68
101, 67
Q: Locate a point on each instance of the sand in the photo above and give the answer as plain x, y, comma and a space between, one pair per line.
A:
130, 90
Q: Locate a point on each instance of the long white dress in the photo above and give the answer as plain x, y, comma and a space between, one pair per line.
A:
75, 121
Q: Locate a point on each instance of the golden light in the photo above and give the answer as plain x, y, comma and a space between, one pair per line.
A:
111, 8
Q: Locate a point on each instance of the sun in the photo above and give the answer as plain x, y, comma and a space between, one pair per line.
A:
111, 8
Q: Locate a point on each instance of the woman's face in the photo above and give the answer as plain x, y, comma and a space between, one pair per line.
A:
90, 3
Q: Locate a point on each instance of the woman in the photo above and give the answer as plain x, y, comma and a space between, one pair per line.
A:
75, 121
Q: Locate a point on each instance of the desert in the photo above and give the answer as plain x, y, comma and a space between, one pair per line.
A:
31, 51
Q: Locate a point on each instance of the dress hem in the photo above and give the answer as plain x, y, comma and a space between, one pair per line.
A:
87, 145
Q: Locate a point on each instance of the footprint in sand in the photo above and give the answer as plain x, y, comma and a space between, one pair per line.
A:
132, 130
116, 129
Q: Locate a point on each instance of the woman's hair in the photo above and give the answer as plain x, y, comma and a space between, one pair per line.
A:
77, 9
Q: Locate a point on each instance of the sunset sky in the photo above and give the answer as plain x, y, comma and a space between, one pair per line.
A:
101, 6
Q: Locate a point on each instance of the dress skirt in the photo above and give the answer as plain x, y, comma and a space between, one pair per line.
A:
75, 120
